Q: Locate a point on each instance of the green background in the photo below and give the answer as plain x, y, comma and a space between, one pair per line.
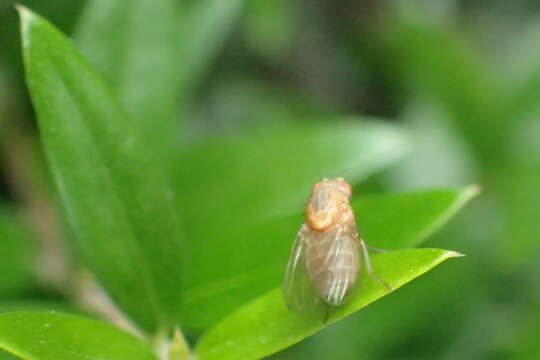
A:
451, 92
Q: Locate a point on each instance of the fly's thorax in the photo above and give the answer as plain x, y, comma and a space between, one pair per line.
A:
325, 207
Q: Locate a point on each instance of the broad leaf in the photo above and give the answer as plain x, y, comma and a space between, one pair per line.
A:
133, 44
7, 356
50, 335
29, 304
116, 199
266, 326
404, 220
234, 196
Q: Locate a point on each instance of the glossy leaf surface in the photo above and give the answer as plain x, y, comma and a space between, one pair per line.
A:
266, 326
50, 335
108, 181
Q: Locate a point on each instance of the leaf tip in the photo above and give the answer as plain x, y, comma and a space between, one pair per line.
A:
179, 347
26, 15
23, 11
473, 190
451, 254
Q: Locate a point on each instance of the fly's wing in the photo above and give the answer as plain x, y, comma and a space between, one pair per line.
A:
343, 265
298, 290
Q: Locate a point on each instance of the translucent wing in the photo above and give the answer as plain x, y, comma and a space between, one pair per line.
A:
298, 290
341, 264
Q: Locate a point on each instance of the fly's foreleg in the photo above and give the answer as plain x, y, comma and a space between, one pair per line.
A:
326, 312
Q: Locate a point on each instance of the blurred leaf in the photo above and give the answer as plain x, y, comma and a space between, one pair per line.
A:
19, 258
266, 326
203, 28
179, 348
522, 62
442, 65
235, 221
269, 27
523, 342
50, 335
516, 189
116, 200
133, 44
238, 103
404, 220
298, 156
439, 151
5, 88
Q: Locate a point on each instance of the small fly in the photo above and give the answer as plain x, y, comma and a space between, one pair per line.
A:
327, 254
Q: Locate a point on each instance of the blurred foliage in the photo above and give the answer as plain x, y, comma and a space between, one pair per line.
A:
18, 251
260, 95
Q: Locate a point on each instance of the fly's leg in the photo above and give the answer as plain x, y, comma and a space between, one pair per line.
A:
326, 310
370, 268
374, 249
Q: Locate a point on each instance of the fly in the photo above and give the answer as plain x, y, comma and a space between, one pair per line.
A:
327, 256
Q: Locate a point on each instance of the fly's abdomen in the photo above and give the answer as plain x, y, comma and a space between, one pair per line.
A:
333, 264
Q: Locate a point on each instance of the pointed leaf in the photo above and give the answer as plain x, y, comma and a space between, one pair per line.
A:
397, 221
50, 335
266, 326
116, 198
179, 349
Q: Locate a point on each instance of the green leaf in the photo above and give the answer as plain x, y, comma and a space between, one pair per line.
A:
19, 259
30, 304
117, 200
7, 356
237, 222
50, 335
203, 29
404, 220
133, 44
266, 326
